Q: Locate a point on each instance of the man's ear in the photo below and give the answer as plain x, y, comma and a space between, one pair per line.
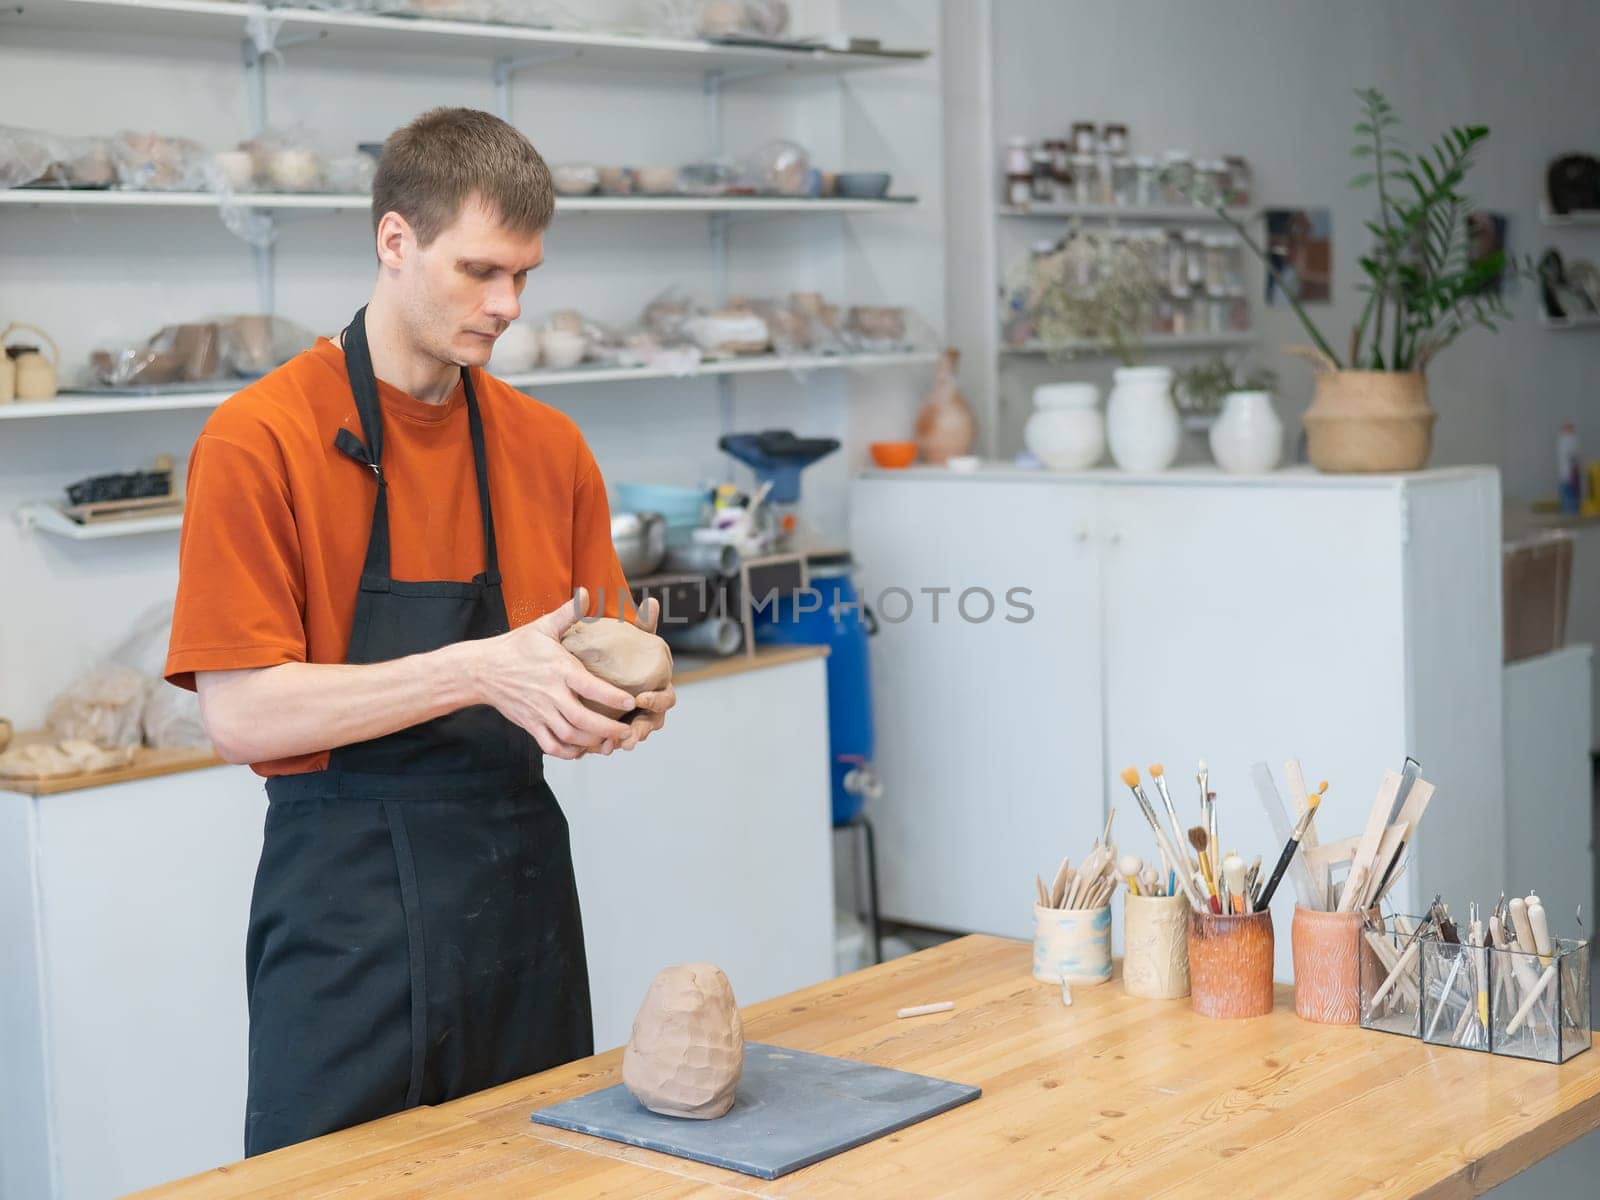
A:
396, 240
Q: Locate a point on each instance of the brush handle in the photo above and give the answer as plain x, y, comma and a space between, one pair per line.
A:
1277, 872
1538, 990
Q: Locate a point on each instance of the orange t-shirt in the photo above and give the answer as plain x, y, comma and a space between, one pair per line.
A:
276, 520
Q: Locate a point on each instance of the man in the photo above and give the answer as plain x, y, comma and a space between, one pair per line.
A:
380, 553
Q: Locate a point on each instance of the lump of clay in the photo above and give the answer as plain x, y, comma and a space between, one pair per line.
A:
622, 654
686, 1053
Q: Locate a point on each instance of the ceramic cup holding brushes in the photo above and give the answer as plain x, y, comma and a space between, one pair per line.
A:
1155, 941
1072, 917
1230, 964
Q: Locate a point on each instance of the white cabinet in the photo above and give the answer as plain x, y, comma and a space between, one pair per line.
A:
1347, 621
123, 912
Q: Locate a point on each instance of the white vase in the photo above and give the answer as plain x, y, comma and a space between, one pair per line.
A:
1066, 431
1142, 423
1247, 439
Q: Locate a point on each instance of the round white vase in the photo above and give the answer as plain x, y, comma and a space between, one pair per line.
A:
1247, 438
1066, 431
1142, 423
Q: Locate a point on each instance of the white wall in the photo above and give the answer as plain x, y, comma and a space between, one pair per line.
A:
90, 276
1275, 82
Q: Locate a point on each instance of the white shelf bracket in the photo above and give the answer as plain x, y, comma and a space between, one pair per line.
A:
505, 72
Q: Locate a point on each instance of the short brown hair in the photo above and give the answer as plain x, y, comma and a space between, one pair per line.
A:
432, 165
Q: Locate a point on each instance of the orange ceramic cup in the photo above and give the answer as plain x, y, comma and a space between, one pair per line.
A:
1327, 961
1230, 964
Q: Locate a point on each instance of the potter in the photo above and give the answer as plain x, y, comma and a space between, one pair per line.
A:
380, 547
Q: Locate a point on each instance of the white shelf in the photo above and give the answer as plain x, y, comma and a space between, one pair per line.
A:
47, 518
101, 405
1569, 324
1586, 216
333, 202
225, 19
1119, 212
1151, 341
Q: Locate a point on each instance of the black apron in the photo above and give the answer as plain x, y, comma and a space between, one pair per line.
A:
414, 931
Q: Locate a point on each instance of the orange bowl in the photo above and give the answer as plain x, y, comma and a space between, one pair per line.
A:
893, 455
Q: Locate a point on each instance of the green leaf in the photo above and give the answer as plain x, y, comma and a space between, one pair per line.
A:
1361, 150
1362, 180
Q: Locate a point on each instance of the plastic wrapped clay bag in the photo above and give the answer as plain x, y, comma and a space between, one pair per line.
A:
172, 720
254, 344
105, 706
743, 18
152, 163
30, 156
25, 155
781, 168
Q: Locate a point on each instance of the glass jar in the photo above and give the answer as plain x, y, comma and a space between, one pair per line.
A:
1085, 182
1194, 250
1146, 181
1177, 176
1084, 138
1114, 138
1122, 182
1210, 181
1216, 265
1177, 270
1060, 170
1043, 176
1019, 173
1240, 180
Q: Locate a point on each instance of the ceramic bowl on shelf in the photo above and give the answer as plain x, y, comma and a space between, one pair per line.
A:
656, 181
562, 348
893, 455
575, 179
516, 349
862, 185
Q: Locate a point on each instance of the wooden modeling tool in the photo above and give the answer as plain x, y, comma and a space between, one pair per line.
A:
1367, 851
923, 1010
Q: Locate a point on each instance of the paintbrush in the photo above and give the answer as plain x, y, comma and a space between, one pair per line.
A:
1304, 823
1158, 773
1233, 874
1130, 776
1201, 842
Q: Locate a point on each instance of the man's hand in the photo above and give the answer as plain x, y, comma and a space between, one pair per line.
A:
653, 704
536, 683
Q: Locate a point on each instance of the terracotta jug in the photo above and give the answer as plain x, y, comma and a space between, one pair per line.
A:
34, 374
945, 426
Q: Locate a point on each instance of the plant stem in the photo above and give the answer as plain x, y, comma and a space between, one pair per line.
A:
1288, 294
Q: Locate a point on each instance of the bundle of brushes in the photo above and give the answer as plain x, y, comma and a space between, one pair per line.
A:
1087, 886
1195, 865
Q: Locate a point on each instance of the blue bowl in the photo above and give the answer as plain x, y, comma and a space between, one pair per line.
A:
862, 185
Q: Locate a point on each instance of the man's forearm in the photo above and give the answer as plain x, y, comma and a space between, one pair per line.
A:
304, 708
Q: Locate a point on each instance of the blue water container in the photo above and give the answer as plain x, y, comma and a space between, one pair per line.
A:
840, 624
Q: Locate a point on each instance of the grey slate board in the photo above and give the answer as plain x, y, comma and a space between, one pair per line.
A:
792, 1109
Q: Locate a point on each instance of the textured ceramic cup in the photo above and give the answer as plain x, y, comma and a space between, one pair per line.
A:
1155, 940
1230, 964
1072, 945
1327, 965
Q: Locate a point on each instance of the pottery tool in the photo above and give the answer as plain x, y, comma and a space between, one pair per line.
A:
1389, 847
1200, 841
1413, 946
1410, 815
1130, 867
1534, 995
1409, 772
1130, 776
1291, 846
1367, 851
1058, 889
1480, 960
1158, 773
1233, 874
1044, 896
923, 1010
1541, 930
1150, 882
1310, 885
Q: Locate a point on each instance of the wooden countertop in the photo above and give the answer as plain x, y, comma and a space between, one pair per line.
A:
150, 764
1112, 1097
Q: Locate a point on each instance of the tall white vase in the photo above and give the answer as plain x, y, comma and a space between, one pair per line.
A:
1142, 423
1247, 438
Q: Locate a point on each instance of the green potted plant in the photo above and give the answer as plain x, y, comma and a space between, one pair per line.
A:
1424, 289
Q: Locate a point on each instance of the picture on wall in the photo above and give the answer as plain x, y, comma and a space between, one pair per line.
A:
1300, 245
1488, 233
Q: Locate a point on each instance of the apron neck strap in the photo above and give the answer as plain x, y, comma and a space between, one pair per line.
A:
364, 387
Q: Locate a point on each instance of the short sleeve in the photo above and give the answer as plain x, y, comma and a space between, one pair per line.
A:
241, 580
594, 558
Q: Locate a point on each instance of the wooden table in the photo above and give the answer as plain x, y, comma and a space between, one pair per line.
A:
1111, 1097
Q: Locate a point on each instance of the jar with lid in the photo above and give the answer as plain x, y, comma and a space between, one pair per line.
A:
1114, 138
1043, 176
1239, 180
1122, 182
1177, 176
1060, 169
1019, 173
1085, 139
1146, 181
1085, 179
1104, 180
1194, 249
1211, 180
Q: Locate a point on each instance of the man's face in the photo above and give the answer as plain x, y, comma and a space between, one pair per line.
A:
461, 291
